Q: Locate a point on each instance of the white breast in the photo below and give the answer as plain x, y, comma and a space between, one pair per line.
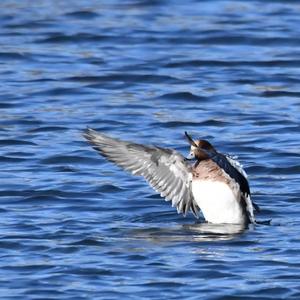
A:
218, 202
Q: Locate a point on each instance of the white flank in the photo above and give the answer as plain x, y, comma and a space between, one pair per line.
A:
218, 203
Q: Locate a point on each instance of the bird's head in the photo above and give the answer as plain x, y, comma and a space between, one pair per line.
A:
200, 149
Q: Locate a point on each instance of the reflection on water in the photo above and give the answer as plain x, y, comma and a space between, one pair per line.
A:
199, 232
211, 232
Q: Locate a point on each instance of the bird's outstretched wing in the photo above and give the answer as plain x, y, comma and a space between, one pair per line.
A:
165, 170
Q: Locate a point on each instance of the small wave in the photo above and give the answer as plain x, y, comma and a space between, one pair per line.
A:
82, 14
7, 159
108, 188
280, 94
76, 38
184, 124
60, 92
234, 63
16, 143
87, 242
47, 129
13, 56
126, 77
182, 96
66, 159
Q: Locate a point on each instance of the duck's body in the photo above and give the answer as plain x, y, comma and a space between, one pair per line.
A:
214, 191
216, 184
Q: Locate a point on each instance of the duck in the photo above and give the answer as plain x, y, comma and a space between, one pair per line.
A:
205, 181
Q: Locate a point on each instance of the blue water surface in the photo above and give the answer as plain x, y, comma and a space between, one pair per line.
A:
74, 226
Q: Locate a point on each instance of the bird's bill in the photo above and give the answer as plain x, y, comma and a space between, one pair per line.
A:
190, 156
189, 138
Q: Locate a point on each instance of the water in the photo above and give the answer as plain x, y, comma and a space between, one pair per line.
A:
76, 227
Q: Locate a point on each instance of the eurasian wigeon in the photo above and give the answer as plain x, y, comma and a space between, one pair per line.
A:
216, 183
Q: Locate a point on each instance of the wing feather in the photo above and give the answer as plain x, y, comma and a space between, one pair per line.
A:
165, 170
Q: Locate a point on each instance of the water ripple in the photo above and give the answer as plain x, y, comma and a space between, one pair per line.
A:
73, 226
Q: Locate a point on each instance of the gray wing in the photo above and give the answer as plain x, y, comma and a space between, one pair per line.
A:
164, 169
